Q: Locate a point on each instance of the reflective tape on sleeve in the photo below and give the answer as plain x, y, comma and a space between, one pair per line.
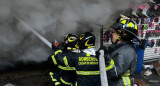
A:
88, 72
51, 75
66, 68
65, 61
54, 60
57, 83
111, 65
63, 81
127, 73
58, 51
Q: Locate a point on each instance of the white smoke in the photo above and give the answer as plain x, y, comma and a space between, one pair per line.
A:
51, 18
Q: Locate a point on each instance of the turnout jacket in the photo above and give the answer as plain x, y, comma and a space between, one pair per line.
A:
66, 76
85, 64
121, 64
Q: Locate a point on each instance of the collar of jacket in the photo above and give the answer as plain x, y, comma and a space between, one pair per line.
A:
114, 47
76, 51
91, 51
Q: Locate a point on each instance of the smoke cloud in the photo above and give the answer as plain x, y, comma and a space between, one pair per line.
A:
52, 19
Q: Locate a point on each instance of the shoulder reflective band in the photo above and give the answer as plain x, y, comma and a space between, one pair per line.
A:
57, 83
126, 81
127, 73
53, 79
66, 68
67, 83
54, 60
111, 65
88, 72
65, 61
58, 51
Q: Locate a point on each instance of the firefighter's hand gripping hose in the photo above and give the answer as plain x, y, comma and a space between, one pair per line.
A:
103, 75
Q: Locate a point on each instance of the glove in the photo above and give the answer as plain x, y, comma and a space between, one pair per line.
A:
142, 43
55, 46
106, 54
105, 51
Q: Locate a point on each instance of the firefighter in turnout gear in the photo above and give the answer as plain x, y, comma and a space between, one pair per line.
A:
66, 76
85, 63
121, 56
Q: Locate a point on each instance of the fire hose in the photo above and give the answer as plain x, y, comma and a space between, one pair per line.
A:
103, 75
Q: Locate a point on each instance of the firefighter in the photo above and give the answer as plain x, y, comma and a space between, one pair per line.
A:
65, 76
121, 55
85, 62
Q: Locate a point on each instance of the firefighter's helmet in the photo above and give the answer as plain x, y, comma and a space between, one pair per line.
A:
70, 40
127, 29
86, 40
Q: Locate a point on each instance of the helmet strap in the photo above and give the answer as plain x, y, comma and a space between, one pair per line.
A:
118, 38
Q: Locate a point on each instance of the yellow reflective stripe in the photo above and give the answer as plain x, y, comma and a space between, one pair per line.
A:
124, 21
88, 72
125, 84
66, 68
130, 24
53, 79
82, 36
126, 81
57, 83
87, 54
67, 83
65, 61
58, 51
76, 84
91, 46
129, 81
136, 27
127, 73
111, 65
86, 43
54, 60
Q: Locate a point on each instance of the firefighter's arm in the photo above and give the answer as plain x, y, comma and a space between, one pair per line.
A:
52, 60
116, 68
63, 61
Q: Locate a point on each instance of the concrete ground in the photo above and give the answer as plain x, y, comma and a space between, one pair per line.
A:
37, 75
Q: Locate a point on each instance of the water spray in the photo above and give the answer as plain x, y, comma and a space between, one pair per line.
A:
35, 32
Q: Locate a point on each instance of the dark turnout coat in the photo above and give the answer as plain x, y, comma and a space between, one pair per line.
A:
121, 64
